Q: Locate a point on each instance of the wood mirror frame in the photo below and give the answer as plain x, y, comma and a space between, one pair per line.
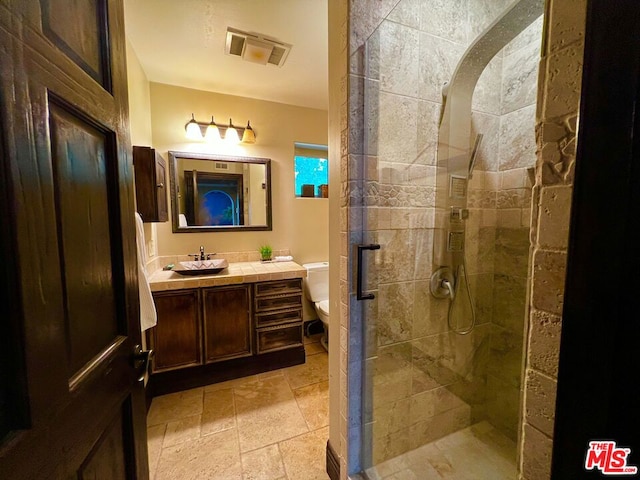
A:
175, 156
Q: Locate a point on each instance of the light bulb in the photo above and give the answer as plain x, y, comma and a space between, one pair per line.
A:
212, 134
193, 129
231, 136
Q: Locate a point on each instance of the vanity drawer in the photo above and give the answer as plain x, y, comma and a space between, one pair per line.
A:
278, 318
278, 338
278, 287
279, 302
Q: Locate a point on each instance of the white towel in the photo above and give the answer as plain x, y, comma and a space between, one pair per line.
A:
148, 315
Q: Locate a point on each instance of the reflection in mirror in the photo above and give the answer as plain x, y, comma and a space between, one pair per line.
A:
219, 192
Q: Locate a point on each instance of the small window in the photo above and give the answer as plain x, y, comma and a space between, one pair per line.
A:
311, 169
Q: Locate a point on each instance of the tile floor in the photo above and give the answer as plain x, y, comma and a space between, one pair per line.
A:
479, 452
271, 426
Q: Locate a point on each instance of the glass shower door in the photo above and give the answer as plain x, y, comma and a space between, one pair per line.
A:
439, 372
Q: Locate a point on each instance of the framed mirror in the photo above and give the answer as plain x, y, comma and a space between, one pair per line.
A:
219, 193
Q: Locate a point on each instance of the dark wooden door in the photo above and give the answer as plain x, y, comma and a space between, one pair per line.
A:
71, 404
227, 323
176, 338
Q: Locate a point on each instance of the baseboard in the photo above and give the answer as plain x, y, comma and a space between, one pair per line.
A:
333, 463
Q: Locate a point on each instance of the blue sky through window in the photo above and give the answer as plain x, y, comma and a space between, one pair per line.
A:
310, 170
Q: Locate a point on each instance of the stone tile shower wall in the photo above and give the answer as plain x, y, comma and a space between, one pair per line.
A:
425, 381
556, 126
556, 118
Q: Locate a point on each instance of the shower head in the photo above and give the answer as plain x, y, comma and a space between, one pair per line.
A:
474, 155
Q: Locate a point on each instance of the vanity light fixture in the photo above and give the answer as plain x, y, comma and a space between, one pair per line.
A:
231, 136
213, 132
192, 129
248, 136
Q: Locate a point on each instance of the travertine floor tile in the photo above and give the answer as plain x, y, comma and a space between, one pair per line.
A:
263, 464
182, 430
267, 413
175, 406
218, 412
313, 401
313, 371
155, 437
479, 452
304, 456
315, 338
230, 383
313, 348
214, 457
205, 429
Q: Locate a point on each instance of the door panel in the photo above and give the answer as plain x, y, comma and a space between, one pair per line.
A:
107, 459
69, 248
227, 322
85, 43
80, 154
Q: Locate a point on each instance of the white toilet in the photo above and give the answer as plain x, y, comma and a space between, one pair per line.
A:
317, 286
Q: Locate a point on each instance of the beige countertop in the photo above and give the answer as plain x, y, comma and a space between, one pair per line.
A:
240, 272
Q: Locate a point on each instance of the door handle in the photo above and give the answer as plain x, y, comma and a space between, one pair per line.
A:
141, 361
361, 248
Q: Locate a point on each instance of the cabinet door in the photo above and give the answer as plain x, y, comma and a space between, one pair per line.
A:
227, 323
176, 339
151, 184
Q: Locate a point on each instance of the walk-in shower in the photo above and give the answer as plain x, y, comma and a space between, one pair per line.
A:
449, 100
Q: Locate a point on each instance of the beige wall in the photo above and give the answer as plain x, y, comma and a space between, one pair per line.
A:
139, 100
300, 225
140, 122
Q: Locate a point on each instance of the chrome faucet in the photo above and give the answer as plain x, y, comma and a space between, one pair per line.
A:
202, 253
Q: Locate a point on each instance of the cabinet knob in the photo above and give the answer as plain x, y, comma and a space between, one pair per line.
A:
160, 185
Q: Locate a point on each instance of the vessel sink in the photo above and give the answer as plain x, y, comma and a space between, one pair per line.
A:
201, 267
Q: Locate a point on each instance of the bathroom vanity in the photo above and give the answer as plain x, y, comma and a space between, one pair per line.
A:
243, 321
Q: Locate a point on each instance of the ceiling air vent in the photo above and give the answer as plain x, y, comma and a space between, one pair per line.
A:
255, 48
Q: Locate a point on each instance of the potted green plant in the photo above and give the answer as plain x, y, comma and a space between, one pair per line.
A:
265, 253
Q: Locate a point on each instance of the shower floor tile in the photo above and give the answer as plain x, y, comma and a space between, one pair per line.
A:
479, 452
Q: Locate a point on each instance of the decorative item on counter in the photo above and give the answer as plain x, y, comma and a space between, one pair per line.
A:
168, 267
283, 258
308, 190
265, 253
323, 191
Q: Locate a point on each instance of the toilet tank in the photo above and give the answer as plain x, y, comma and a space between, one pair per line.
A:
317, 281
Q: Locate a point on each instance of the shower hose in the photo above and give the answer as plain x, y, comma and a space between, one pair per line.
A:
453, 295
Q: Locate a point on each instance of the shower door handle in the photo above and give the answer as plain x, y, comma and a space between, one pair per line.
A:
361, 248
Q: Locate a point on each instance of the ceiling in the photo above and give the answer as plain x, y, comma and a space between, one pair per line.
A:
182, 43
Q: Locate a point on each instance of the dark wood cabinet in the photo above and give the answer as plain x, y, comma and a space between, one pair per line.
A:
210, 334
226, 318
278, 314
176, 339
151, 184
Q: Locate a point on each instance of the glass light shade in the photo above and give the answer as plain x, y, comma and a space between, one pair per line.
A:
231, 135
193, 129
249, 136
213, 133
